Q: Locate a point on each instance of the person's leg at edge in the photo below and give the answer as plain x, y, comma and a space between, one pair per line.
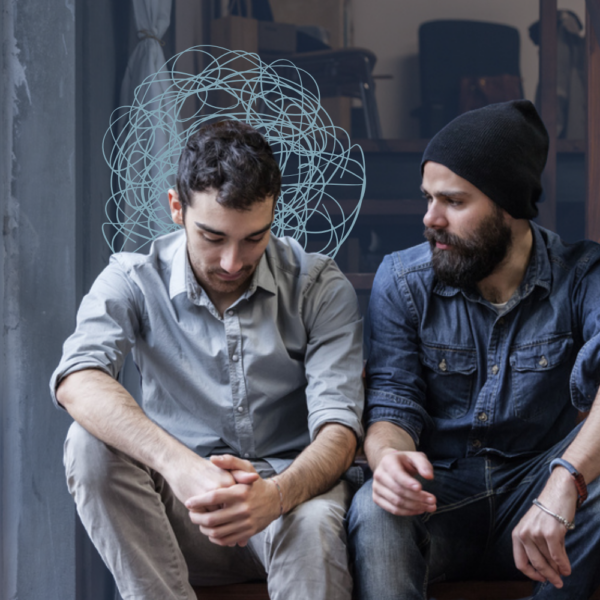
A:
388, 552
305, 553
143, 532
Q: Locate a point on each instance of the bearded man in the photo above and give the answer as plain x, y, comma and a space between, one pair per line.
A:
485, 344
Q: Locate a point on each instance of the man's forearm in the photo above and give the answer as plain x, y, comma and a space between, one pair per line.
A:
319, 466
383, 437
584, 451
104, 408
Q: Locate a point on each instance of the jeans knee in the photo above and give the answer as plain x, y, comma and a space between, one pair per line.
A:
369, 526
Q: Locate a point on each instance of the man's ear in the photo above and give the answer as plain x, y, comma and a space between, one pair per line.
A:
176, 207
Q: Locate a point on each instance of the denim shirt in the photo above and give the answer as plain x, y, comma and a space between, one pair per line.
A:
464, 380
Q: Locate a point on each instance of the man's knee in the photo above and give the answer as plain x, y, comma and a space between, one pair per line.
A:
315, 527
89, 463
369, 524
323, 515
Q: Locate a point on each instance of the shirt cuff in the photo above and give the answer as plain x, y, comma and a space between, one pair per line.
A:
340, 416
63, 370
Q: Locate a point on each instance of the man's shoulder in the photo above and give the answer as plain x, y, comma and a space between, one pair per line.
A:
414, 261
162, 251
578, 256
290, 260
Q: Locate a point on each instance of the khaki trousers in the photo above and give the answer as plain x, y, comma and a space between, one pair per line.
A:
154, 551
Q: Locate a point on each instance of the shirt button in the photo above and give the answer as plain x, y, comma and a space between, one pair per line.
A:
231, 312
543, 362
495, 370
246, 454
501, 321
476, 444
235, 358
482, 416
240, 409
443, 365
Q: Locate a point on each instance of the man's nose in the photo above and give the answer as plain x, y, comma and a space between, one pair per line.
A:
435, 216
231, 260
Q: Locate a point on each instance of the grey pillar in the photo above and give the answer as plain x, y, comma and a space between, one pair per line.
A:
37, 293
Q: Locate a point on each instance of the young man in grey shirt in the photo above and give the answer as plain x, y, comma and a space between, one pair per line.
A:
250, 356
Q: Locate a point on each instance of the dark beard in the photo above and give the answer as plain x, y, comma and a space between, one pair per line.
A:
473, 259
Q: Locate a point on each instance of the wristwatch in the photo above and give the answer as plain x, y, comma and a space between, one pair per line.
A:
580, 484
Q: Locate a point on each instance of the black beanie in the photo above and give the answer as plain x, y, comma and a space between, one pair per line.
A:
501, 149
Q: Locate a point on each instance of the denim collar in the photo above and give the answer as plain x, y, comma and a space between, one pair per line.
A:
183, 278
538, 274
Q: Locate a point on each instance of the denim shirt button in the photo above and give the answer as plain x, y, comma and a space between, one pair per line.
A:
443, 365
476, 444
543, 362
482, 417
495, 370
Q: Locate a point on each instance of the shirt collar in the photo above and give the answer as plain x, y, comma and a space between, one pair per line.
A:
264, 275
539, 272
177, 283
183, 278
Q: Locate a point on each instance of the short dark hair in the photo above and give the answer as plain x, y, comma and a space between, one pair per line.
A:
232, 158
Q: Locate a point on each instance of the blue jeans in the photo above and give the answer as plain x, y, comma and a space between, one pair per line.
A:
480, 501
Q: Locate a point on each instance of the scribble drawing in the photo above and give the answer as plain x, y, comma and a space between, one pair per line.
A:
319, 165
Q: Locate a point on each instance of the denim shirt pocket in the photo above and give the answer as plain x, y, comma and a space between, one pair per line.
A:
450, 375
543, 366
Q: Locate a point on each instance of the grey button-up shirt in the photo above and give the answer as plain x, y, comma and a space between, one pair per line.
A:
259, 382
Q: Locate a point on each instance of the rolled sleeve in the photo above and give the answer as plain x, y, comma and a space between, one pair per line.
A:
107, 322
585, 376
333, 361
395, 389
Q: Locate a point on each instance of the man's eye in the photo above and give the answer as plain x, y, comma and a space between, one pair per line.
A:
212, 240
255, 240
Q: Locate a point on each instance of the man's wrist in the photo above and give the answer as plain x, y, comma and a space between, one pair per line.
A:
573, 475
279, 496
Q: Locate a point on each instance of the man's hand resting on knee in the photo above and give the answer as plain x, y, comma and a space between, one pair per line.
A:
539, 539
393, 458
232, 515
395, 487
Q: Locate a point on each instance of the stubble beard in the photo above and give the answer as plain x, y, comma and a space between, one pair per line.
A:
470, 260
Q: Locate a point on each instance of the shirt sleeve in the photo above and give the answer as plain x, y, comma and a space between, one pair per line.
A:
396, 391
585, 376
334, 356
107, 323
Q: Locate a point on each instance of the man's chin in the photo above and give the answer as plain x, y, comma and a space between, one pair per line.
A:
228, 286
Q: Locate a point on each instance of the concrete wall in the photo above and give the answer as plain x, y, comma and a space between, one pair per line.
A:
390, 29
37, 301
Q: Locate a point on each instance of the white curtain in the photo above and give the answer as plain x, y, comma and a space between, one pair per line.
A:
152, 18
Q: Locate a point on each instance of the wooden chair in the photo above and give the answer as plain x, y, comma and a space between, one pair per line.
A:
240, 591
470, 590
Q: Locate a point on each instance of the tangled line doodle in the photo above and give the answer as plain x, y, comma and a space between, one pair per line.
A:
323, 175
